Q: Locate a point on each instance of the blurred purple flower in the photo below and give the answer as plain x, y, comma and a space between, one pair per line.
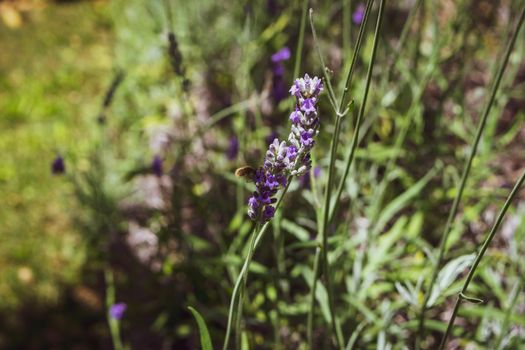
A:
317, 171
233, 148
156, 166
358, 14
278, 83
116, 311
58, 166
281, 55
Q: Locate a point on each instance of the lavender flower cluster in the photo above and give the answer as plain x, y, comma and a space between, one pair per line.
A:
288, 158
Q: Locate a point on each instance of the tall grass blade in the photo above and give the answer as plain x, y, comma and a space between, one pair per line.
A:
203, 330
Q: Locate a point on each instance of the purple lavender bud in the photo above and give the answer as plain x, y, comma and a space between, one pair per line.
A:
268, 213
252, 202
359, 14
283, 54
307, 138
58, 166
116, 311
295, 90
308, 105
156, 166
233, 148
295, 117
291, 153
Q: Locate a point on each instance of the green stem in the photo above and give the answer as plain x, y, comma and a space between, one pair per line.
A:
333, 153
323, 251
355, 137
244, 271
466, 172
243, 286
340, 112
328, 81
310, 320
347, 5
357, 49
114, 325
480, 255
299, 53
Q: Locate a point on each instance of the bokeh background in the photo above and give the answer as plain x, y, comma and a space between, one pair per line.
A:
149, 136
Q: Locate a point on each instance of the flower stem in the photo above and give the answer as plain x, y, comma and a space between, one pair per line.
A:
299, 53
361, 113
310, 320
357, 49
322, 252
243, 286
114, 326
480, 255
466, 172
329, 88
243, 275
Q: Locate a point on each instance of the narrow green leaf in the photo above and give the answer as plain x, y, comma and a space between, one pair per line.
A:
470, 299
203, 330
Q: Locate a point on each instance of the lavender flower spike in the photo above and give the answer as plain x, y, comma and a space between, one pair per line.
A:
288, 158
305, 122
268, 179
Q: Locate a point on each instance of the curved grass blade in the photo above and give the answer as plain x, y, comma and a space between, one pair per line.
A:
203, 330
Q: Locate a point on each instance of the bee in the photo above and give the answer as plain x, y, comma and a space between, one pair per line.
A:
247, 172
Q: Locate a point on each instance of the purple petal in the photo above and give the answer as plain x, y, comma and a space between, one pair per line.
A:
358, 14
281, 55
116, 311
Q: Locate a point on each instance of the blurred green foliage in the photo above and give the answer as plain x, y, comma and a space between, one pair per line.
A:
59, 233
51, 72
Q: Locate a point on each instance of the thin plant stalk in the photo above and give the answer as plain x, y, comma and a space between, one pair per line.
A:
243, 286
299, 53
355, 137
245, 270
259, 233
481, 253
466, 172
357, 49
310, 319
114, 327
393, 63
323, 252
347, 5
328, 81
